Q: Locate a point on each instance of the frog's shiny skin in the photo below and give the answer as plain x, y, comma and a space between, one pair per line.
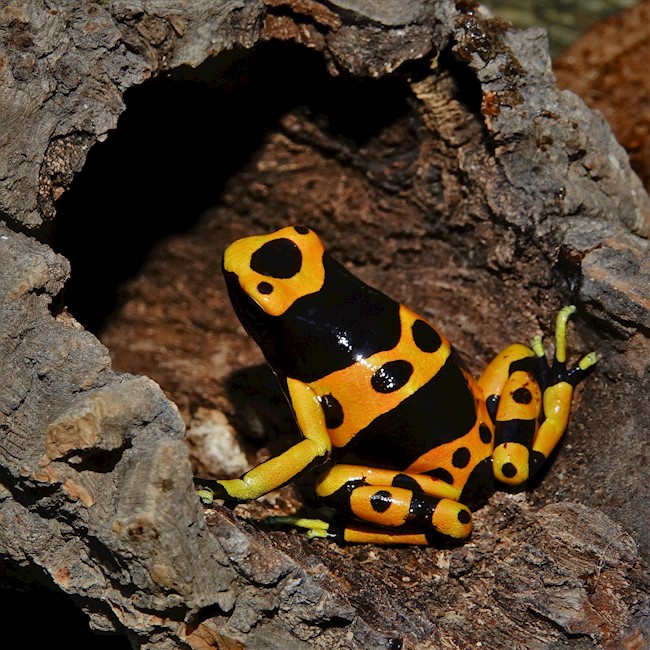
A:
415, 442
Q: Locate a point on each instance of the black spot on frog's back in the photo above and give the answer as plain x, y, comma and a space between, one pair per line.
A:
440, 411
391, 376
333, 411
425, 337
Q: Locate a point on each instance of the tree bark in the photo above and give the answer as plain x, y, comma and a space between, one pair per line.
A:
431, 148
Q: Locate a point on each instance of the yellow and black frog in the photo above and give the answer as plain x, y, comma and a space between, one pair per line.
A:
414, 442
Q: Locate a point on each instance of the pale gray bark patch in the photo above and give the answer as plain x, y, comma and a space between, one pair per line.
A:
511, 194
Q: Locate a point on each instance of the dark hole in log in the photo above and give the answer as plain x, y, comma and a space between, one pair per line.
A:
180, 138
60, 620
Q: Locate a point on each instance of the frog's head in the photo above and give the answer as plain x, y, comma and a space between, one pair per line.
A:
266, 274
303, 307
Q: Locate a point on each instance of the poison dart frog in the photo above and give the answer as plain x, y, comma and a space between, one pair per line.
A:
414, 442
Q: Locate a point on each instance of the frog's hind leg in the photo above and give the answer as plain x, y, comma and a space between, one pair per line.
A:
353, 532
387, 507
530, 401
558, 382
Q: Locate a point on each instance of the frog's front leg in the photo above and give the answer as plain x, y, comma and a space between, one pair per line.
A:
387, 507
530, 401
276, 471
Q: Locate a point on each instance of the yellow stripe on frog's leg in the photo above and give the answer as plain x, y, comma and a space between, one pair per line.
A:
495, 375
356, 533
276, 471
521, 445
395, 500
516, 422
341, 475
557, 406
397, 514
389, 499
513, 368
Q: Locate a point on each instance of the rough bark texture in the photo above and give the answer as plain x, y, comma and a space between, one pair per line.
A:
434, 153
607, 68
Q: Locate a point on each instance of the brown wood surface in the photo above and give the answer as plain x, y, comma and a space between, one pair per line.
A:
607, 67
431, 148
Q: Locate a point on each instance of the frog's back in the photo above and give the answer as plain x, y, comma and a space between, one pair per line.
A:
374, 383
392, 390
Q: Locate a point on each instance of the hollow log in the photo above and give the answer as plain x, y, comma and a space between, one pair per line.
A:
429, 145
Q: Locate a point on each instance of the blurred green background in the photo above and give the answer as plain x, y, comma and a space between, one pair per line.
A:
564, 20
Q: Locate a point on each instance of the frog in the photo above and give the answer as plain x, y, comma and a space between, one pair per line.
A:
409, 442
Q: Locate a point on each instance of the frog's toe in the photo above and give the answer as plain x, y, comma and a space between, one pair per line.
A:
206, 495
209, 491
559, 371
314, 527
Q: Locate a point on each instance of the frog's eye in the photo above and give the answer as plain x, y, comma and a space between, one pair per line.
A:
278, 258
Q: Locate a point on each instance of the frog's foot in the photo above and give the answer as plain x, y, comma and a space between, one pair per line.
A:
558, 372
210, 491
354, 532
314, 527
206, 495
521, 444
